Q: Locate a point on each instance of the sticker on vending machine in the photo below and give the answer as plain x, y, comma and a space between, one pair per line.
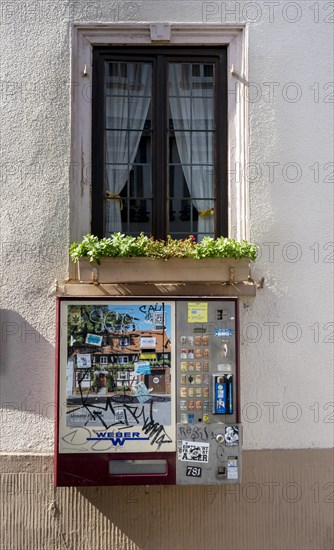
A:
189, 451
232, 467
197, 312
231, 436
194, 471
142, 393
223, 332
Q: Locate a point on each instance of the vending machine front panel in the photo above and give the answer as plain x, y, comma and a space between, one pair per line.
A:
208, 432
116, 388
147, 391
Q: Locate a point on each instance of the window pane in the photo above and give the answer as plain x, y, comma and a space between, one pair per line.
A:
128, 155
119, 146
121, 114
200, 178
174, 157
191, 113
202, 115
140, 182
136, 216
191, 144
128, 79
191, 94
178, 186
184, 222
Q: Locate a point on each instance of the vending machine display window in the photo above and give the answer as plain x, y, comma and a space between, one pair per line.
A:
147, 392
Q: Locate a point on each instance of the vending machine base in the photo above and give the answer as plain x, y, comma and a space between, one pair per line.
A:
107, 469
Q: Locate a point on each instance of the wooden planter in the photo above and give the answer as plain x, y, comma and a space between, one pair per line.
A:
152, 270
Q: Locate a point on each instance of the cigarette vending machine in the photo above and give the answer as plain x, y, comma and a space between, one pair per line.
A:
147, 391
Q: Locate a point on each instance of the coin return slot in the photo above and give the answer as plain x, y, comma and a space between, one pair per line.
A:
137, 467
221, 472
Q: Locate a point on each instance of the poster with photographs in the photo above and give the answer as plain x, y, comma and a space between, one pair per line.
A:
116, 375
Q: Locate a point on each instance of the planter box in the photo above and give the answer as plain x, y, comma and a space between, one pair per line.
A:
151, 270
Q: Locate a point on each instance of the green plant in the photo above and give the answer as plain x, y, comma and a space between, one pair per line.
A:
110, 383
119, 245
95, 382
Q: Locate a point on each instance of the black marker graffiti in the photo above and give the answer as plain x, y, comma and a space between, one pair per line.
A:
155, 430
196, 433
132, 415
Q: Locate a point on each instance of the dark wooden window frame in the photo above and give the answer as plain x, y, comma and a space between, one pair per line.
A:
159, 56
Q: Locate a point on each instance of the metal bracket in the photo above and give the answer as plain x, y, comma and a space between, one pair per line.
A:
232, 275
95, 279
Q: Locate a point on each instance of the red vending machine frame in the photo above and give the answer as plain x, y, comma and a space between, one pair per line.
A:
96, 433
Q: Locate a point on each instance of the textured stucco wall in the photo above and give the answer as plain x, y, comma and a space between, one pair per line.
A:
283, 503
287, 378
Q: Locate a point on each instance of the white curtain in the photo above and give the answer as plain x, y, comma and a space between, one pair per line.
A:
126, 109
191, 108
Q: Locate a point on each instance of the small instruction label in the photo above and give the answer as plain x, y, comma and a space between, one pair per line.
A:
223, 332
197, 312
232, 467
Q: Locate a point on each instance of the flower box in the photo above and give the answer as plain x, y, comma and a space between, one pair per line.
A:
173, 270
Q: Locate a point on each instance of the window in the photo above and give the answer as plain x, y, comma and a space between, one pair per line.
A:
124, 342
122, 375
83, 377
87, 39
103, 360
159, 128
122, 359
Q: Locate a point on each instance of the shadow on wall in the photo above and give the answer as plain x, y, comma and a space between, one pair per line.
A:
145, 518
266, 511
26, 367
